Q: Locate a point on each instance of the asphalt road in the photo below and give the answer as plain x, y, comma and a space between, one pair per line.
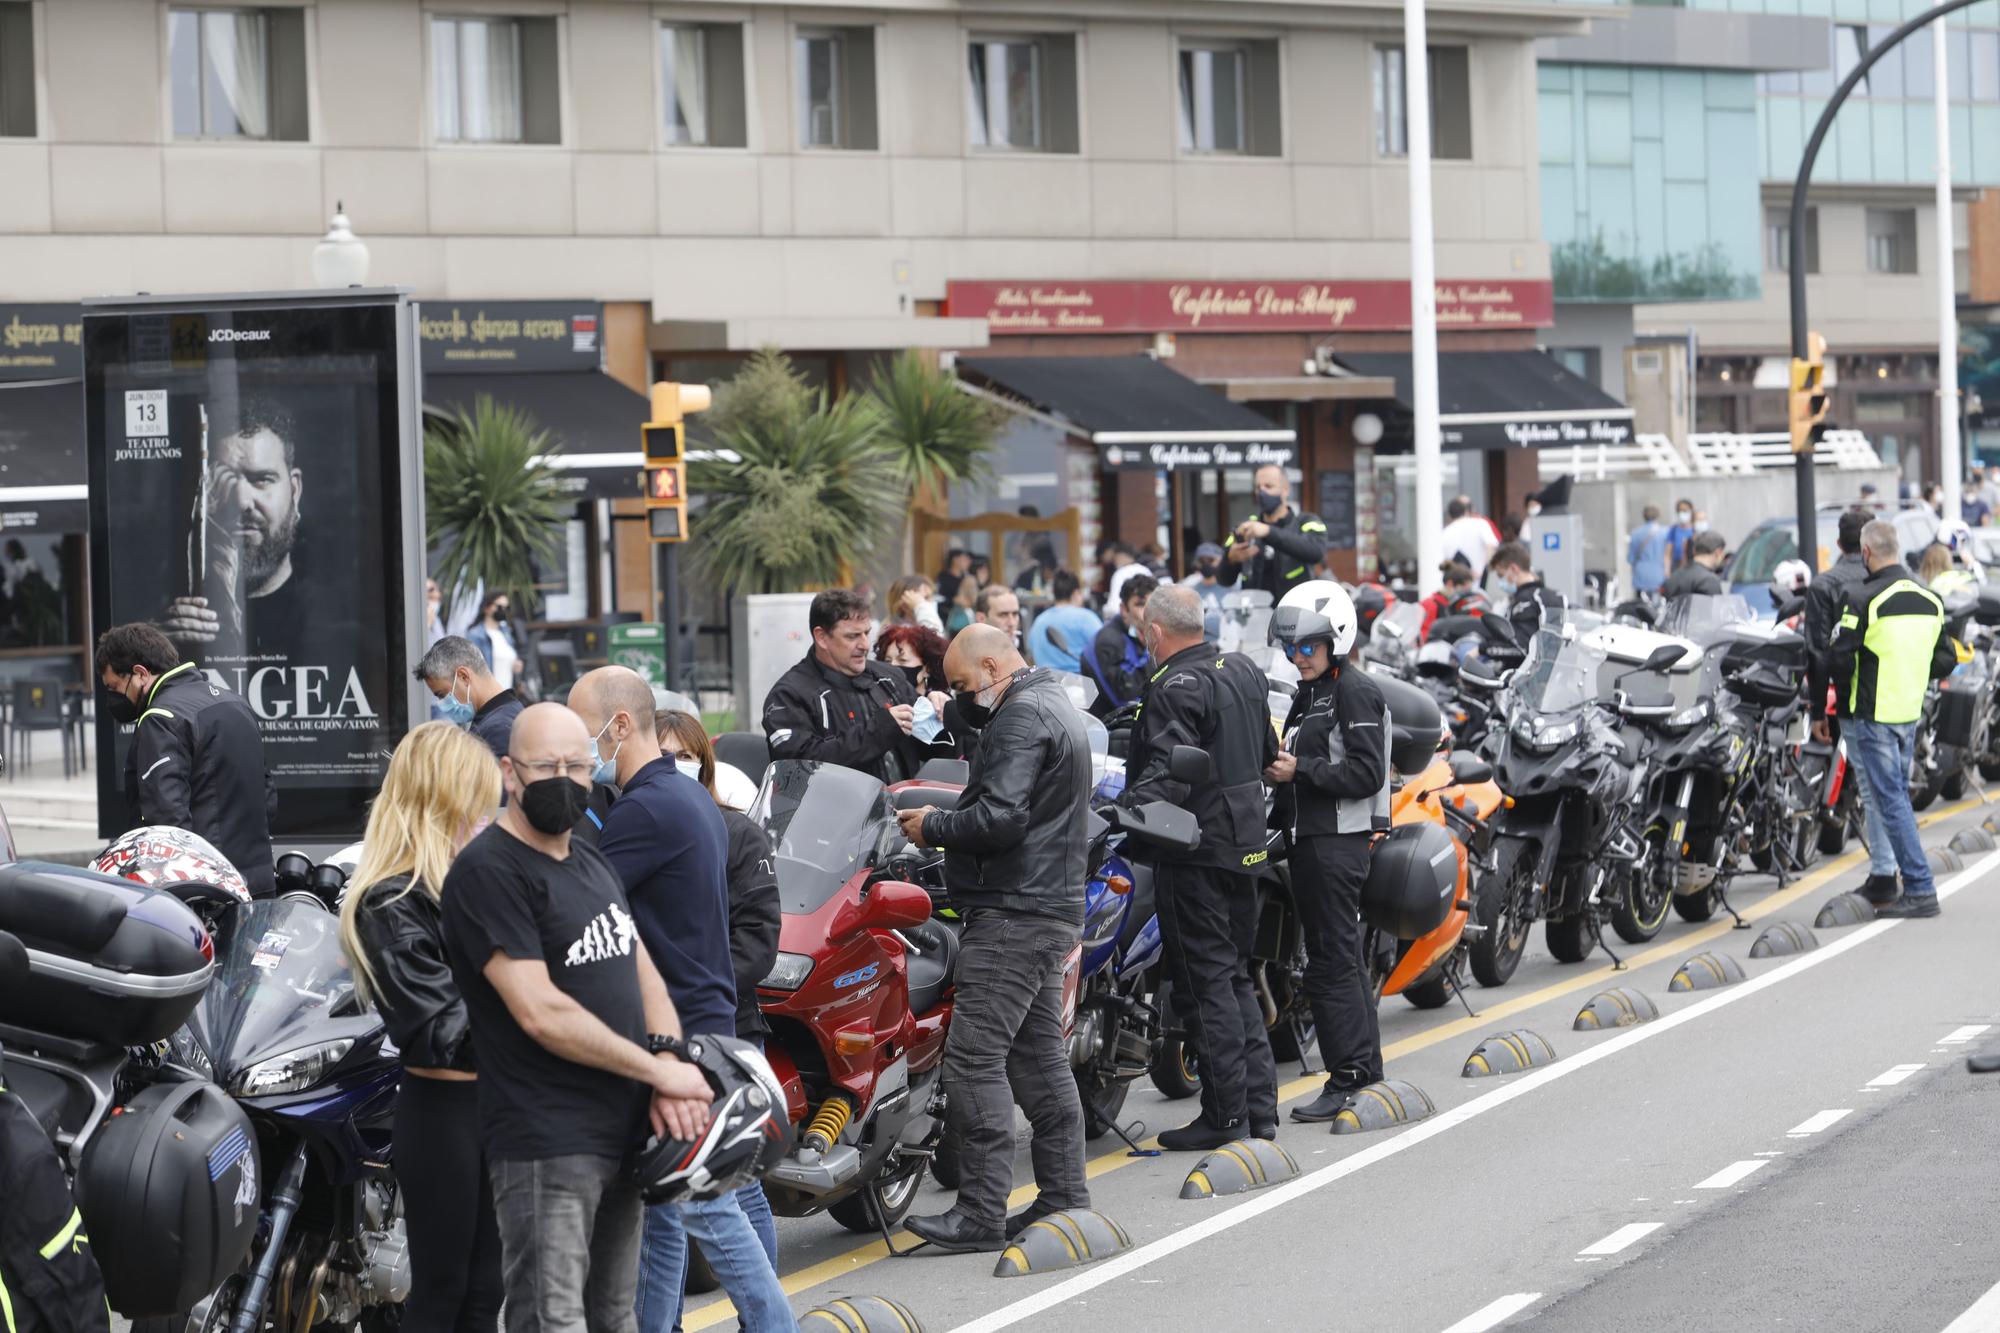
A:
1800, 1149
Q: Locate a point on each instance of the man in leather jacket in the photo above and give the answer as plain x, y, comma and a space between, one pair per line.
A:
1217, 702
838, 707
1015, 850
1275, 551
1826, 597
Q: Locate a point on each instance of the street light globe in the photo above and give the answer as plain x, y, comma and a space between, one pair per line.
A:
1367, 429
340, 259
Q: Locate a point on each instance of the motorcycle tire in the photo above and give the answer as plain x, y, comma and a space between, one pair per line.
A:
1103, 1100
1570, 938
1641, 909
1953, 787
857, 1212
1176, 1069
1832, 838
1695, 906
1429, 993
1989, 769
1289, 1040
1504, 896
944, 1162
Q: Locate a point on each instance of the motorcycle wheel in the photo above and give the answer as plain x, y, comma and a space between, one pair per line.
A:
1176, 1069
1953, 787
1429, 993
1502, 904
1989, 769
1570, 938
857, 1212
1695, 906
1103, 1098
1641, 909
944, 1162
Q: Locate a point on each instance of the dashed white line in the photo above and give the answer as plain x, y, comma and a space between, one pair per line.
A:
1495, 1314
1732, 1174
1629, 1234
1815, 1123
1891, 1077
1964, 1034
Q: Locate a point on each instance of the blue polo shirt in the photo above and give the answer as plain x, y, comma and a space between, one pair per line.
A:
666, 839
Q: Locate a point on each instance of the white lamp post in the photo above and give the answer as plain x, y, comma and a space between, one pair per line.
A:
340, 259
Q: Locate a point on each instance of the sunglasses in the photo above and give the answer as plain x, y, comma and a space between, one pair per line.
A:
1307, 650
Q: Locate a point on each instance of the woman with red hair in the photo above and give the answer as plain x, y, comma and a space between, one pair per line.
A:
919, 651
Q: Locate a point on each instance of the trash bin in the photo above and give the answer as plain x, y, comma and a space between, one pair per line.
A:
641, 646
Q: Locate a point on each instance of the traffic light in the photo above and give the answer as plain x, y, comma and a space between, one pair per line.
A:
666, 458
1809, 397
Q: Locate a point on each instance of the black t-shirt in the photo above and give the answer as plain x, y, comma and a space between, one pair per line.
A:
504, 895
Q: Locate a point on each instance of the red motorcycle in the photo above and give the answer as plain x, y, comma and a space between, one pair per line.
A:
859, 1000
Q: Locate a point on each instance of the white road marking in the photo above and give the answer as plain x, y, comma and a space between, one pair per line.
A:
1769, 1154
1982, 1317
1278, 1196
1815, 1123
1964, 1033
1890, 1077
1731, 1174
1495, 1314
1629, 1234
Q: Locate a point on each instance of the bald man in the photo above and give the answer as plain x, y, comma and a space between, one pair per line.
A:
567, 1013
666, 839
1276, 550
1014, 863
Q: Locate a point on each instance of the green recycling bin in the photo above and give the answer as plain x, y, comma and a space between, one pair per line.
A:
641, 646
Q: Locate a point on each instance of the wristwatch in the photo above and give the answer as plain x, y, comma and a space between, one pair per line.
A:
657, 1042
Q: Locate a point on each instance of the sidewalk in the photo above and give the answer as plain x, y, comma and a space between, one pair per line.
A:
53, 817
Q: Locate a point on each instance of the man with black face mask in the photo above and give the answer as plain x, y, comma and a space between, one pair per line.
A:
1014, 862
196, 761
1276, 550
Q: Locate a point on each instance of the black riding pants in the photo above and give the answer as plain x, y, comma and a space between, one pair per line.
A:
1208, 926
1327, 874
454, 1234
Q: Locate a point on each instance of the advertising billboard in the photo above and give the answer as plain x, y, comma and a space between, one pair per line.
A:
255, 491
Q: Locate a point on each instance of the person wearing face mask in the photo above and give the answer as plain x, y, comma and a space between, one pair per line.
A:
493, 635
1530, 508
440, 790
574, 1033
1680, 534
1207, 584
1531, 603
669, 844
1276, 550
468, 694
1014, 863
196, 760
1117, 660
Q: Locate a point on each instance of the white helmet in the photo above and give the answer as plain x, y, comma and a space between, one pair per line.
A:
1320, 609
1791, 577
1955, 536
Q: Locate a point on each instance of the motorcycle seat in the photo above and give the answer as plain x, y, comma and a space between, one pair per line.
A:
931, 964
1468, 768
916, 798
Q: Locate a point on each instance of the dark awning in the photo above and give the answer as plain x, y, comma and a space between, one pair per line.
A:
43, 479
595, 418
1501, 400
1140, 413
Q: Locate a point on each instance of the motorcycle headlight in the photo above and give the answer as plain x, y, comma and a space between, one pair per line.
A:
788, 973
294, 1071
1687, 717
1560, 734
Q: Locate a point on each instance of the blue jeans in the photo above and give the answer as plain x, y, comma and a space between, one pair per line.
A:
733, 1249
1883, 752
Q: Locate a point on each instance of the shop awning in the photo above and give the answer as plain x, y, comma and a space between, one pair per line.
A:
1139, 413
1503, 400
594, 417
43, 477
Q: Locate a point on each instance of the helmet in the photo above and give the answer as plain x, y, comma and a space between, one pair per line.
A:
162, 854
1370, 601
1790, 578
746, 1135
1955, 536
1317, 610
1471, 602
733, 786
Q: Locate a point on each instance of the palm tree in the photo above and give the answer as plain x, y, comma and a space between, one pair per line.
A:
492, 506
937, 433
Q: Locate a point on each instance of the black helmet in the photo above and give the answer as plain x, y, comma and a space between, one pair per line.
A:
1411, 878
747, 1131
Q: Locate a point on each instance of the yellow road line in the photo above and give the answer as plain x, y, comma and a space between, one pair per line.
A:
713, 1313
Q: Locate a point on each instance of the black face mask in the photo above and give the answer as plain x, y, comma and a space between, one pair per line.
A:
553, 805
499, 615
1268, 503
911, 673
975, 713
120, 709
1207, 569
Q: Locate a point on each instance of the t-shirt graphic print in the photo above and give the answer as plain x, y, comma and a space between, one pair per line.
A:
611, 935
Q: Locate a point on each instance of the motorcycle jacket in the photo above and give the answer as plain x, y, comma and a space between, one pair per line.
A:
1890, 645
1017, 840
1118, 663
815, 712
1218, 702
1285, 559
197, 762
1529, 607
1826, 597
49, 1280
754, 916
402, 929
1338, 730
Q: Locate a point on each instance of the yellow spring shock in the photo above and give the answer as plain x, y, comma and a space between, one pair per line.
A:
827, 1122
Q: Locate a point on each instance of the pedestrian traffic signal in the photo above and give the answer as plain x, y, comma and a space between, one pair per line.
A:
666, 458
1808, 396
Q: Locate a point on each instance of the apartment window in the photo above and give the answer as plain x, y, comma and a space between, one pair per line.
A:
1229, 98
1021, 93
237, 73
17, 70
495, 80
836, 88
1778, 240
1892, 240
1451, 103
1586, 363
701, 77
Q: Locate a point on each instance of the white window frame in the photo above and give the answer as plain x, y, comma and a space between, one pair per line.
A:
1036, 44
836, 39
697, 17
1238, 47
450, 9
199, 12
1376, 47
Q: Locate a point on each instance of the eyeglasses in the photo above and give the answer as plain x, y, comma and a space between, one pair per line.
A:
577, 770
1302, 650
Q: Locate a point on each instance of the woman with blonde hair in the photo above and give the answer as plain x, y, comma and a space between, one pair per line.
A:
442, 787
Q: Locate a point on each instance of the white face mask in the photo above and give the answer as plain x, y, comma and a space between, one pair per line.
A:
689, 767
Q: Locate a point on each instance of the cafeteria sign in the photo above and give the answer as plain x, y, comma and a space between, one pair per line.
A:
511, 335
1019, 308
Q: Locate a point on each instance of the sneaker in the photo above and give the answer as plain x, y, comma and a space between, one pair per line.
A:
1911, 907
1880, 890
1198, 1135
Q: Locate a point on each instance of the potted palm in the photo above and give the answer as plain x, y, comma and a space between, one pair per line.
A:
492, 506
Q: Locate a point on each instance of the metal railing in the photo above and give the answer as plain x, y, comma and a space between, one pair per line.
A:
1709, 455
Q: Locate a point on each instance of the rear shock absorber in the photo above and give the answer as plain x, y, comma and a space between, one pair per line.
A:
827, 1122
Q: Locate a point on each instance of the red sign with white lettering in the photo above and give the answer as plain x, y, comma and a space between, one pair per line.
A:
1243, 307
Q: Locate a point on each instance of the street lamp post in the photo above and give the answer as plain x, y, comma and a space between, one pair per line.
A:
1427, 440
341, 258
1949, 462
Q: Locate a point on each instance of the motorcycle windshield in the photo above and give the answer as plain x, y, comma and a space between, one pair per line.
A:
1706, 618
826, 822
278, 968
1400, 622
1559, 676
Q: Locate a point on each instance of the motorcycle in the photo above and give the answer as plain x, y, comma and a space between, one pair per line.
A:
1954, 732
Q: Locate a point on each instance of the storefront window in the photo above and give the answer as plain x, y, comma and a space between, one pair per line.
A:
1396, 505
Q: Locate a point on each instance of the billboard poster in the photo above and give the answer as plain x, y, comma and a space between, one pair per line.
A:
253, 492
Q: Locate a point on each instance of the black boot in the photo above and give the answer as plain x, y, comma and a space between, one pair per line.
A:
1332, 1100
955, 1233
1027, 1217
1880, 890
1910, 908
1201, 1135
1263, 1129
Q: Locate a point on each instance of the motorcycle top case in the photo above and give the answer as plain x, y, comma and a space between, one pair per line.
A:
1957, 710
169, 1193
108, 960
1416, 725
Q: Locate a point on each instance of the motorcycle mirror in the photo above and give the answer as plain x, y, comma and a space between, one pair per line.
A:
1665, 656
1188, 764
892, 904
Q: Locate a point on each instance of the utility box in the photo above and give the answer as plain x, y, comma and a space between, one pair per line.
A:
1558, 553
769, 636
641, 646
